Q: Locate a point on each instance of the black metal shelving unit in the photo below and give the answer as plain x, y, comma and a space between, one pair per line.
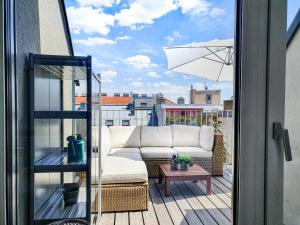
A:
48, 163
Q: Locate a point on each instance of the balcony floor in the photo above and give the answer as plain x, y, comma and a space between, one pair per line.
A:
187, 205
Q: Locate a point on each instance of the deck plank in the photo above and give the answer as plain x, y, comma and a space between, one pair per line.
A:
149, 216
185, 207
107, 219
222, 187
159, 206
122, 218
177, 217
199, 209
213, 210
219, 199
136, 218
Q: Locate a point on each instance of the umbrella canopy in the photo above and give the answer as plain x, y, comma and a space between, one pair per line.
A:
212, 60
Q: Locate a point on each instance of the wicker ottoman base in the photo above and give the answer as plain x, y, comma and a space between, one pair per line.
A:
124, 197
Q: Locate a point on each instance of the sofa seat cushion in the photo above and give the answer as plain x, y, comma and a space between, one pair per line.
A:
156, 136
157, 152
186, 136
125, 136
115, 151
125, 168
194, 152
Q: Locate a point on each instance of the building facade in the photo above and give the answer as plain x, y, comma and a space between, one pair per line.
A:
205, 97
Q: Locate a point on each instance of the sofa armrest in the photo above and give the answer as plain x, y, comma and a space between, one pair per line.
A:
218, 155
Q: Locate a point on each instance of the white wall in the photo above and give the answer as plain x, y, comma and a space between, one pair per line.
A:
292, 122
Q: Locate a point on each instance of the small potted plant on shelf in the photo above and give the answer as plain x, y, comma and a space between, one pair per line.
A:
184, 161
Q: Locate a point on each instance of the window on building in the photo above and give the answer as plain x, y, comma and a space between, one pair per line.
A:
144, 104
125, 123
208, 99
109, 123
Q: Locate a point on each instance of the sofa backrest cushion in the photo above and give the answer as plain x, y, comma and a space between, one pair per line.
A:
105, 141
156, 136
207, 137
125, 136
186, 136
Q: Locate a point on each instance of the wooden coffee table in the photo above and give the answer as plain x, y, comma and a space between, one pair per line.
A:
194, 173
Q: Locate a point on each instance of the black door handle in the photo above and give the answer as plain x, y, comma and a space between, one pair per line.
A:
278, 133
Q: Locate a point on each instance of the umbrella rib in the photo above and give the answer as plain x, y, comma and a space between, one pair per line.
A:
213, 60
216, 54
224, 47
195, 60
220, 72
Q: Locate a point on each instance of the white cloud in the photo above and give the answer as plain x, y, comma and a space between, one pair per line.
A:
216, 12
123, 38
93, 41
108, 75
137, 84
153, 75
186, 77
90, 20
98, 3
194, 7
222, 86
170, 38
170, 90
140, 62
214, 86
144, 12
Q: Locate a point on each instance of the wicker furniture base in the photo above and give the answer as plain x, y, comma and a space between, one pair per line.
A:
124, 197
218, 156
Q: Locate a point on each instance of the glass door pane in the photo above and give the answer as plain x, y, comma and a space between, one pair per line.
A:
292, 121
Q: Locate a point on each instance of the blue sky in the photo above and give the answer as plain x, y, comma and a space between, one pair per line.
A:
126, 38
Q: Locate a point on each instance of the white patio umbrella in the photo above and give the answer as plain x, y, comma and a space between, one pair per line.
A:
212, 60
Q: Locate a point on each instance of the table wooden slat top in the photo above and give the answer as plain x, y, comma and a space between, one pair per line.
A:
194, 170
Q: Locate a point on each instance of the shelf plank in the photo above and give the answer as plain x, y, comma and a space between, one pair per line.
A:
58, 162
60, 114
54, 209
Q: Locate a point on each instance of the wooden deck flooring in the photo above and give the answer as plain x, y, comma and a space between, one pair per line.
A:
187, 205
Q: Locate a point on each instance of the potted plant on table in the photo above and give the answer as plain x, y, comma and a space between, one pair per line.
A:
184, 161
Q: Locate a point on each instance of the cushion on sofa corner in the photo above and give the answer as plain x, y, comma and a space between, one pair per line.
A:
207, 137
115, 151
194, 152
125, 136
157, 152
160, 136
128, 168
186, 136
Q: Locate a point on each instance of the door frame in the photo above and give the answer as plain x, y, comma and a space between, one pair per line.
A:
8, 210
259, 89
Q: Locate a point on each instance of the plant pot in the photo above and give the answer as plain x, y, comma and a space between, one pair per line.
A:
70, 193
184, 166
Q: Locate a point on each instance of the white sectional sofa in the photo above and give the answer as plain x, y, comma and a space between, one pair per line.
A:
131, 154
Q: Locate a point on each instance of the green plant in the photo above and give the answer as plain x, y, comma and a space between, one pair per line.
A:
184, 159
